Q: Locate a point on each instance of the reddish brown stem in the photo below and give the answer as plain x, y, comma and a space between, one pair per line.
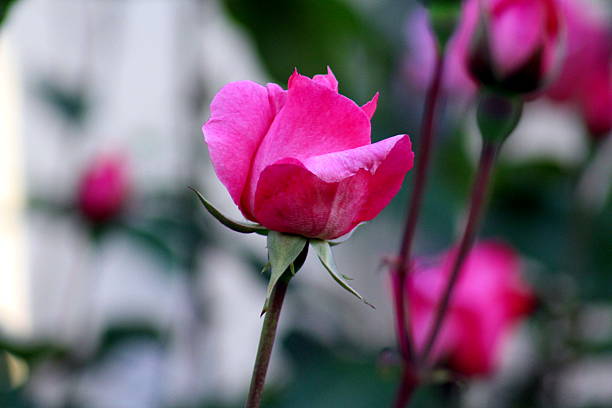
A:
404, 335
477, 200
406, 389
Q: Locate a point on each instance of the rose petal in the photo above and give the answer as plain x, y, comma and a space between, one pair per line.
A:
596, 102
517, 32
327, 196
587, 48
314, 120
240, 116
489, 299
278, 97
370, 107
329, 80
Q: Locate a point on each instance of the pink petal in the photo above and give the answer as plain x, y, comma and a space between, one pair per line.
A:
489, 299
517, 30
278, 97
337, 166
329, 80
477, 347
422, 308
291, 199
596, 102
370, 107
314, 120
240, 116
421, 48
327, 196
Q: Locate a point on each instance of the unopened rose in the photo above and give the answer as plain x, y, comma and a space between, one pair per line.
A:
301, 161
421, 54
103, 188
489, 300
511, 45
515, 44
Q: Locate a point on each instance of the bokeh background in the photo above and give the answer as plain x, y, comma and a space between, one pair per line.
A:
159, 306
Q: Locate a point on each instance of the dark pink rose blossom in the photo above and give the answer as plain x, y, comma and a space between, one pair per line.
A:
515, 44
489, 299
103, 189
301, 161
585, 78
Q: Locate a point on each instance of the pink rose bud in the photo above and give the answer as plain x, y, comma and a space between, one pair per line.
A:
301, 161
103, 188
585, 77
515, 44
489, 300
421, 54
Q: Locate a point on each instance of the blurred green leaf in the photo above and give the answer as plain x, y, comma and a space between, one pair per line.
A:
5, 6
116, 335
170, 225
71, 104
311, 34
324, 378
31, 351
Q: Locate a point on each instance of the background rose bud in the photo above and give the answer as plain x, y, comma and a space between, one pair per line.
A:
515, 43
489, 299
301, 161
421, 56
103, 189
585, 77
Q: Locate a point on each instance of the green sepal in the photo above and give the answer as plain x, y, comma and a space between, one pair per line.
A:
497, 116
286, 254
346, 237
443, 15
238, 226
323, 250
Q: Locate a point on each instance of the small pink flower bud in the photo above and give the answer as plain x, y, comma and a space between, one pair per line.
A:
515, 44
103, 188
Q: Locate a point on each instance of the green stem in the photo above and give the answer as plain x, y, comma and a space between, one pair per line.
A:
477, 201
266, 342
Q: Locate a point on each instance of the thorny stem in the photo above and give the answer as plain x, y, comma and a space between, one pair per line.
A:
266, 342
479, 190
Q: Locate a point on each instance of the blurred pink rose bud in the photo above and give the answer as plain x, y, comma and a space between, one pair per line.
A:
103, 188
421, 54
515, 44
489, 300
301, 161
585, 78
